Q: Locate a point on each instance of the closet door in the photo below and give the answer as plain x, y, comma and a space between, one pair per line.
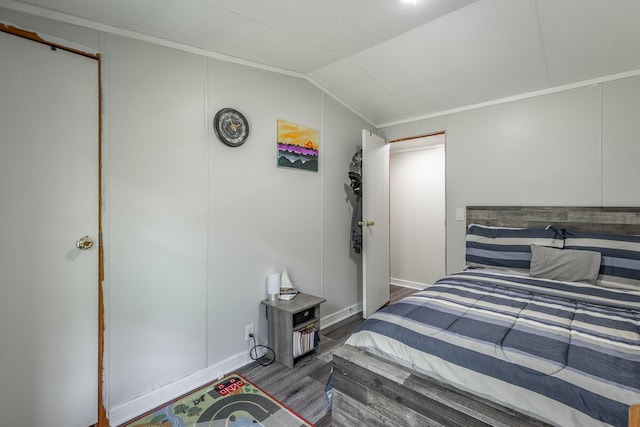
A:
48, 201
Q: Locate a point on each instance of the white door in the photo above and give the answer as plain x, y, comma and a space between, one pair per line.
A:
375, 218
48, 199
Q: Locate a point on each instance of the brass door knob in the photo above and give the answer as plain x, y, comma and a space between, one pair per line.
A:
84, 243
366, 223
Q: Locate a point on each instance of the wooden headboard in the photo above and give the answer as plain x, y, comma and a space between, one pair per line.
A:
613, 220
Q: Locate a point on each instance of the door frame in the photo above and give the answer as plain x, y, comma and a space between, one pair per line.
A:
442, 133
103, 421
426, 135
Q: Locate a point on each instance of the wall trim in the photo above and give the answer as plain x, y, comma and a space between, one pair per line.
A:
86, 23
143, 404
408, 283
69, 19
340, 315
159, 397
110, 29
584, 83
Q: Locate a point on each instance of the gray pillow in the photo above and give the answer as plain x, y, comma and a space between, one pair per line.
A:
564, 264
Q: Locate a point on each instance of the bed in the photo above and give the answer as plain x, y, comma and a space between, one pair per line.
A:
542, 328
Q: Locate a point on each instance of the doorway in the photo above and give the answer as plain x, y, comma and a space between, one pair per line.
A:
417, 211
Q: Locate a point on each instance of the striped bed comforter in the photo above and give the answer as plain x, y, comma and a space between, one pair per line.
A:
566, 353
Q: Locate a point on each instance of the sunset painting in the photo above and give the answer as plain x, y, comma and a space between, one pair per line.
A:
297, 146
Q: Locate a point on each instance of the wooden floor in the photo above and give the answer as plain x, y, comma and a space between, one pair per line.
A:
303, 388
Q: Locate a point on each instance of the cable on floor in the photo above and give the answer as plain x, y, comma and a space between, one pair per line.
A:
267, 358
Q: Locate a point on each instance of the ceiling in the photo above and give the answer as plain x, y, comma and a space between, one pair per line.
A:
391, 61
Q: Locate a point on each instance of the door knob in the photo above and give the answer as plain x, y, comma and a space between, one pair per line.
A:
84, 243
366, 223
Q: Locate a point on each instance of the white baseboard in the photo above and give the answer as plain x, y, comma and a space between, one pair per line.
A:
408, 283
138, 406
338, 316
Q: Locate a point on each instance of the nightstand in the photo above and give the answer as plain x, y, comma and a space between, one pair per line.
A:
294, 327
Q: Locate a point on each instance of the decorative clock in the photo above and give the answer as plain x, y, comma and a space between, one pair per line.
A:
231, 126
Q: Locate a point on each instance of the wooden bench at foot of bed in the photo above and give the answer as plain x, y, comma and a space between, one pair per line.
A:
368, 390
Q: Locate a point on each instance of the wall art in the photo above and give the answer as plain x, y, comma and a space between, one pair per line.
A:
297, 146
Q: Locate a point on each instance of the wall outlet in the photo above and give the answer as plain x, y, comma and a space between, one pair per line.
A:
248, 330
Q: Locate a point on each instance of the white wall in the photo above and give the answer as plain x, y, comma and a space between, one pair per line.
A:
192, 227
575, 147
339, 261
417, 215
621, 142
157, 240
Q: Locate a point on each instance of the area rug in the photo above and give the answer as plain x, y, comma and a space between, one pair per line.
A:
232, 401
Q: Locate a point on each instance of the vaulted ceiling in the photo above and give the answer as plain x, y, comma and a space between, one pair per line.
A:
391, 61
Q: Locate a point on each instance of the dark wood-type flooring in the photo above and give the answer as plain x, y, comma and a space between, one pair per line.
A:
303, 388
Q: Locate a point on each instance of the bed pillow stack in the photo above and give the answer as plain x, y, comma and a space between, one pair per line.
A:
603, 259
507, 248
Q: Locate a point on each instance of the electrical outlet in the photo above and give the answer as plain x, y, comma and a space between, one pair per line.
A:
248, 330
